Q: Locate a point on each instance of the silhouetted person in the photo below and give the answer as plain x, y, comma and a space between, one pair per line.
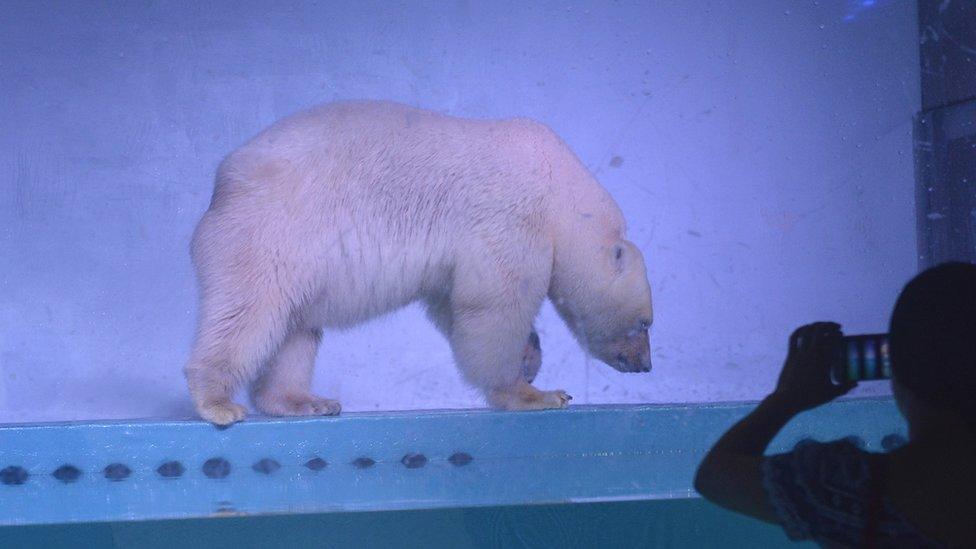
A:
922, 494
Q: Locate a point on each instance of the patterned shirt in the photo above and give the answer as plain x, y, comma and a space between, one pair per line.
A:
826, 492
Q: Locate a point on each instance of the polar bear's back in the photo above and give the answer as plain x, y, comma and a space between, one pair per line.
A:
384, 160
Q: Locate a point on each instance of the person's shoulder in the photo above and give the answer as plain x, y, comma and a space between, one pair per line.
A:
851, 444
837, 464
850, 448
818, 488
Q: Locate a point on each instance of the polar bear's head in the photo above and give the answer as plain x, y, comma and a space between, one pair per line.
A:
608, 307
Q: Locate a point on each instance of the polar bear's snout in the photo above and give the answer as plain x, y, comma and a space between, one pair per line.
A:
636, 361
640, 363
630, 353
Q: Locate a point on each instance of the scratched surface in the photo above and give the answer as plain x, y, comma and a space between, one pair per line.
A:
761, 154
64, 473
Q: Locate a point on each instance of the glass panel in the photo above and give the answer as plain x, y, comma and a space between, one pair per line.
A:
761, 154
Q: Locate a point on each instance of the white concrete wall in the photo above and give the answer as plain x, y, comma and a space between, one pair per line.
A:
761, 152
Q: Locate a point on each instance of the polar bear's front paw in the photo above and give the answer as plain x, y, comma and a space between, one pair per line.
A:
222, 412
558, 398
527, 397
297, 405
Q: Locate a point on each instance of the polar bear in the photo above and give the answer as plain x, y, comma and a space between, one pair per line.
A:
347, 211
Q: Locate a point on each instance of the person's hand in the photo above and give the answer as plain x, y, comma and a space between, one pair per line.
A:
805, 380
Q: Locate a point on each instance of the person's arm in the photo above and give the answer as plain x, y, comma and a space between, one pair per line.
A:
730, 474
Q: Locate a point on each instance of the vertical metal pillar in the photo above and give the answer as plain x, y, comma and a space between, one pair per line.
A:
945, 132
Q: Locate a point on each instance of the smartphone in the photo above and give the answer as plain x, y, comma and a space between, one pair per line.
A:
864, 357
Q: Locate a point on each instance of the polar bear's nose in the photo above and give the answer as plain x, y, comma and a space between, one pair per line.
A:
640, 363
646, 363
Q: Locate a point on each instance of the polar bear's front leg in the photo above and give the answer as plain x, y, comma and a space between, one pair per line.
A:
490, 349
440, 313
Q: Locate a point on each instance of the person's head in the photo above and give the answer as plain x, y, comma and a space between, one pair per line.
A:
933, 347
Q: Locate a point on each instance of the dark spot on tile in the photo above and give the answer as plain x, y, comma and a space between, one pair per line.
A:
170, 469
363, 463
616, 161
460, 459
67, 473
13, 475
693, 233
856, 441
117, 471
414, 461
316, 464
216, 468
266, 466
892, 441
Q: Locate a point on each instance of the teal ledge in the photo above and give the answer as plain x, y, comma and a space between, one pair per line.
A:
406, 461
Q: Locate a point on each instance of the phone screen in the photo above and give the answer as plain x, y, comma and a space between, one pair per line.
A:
862, 358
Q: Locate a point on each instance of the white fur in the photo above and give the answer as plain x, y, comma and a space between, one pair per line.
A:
347, 211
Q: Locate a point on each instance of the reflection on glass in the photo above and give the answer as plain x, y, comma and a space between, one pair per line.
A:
870, 360
853, 360
885, 359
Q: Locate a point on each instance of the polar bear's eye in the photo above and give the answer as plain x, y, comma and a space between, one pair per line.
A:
618, 258
645, 325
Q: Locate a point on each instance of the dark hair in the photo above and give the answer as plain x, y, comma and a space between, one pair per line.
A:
933, 338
